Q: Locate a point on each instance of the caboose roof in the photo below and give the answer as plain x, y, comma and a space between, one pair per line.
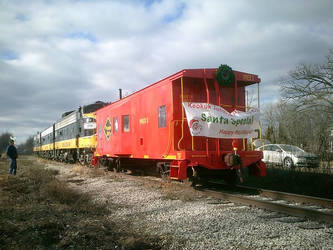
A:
241, 78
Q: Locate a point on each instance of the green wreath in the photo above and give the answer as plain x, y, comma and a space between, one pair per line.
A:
224, 75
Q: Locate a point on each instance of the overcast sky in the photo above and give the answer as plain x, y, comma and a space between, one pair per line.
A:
56, 55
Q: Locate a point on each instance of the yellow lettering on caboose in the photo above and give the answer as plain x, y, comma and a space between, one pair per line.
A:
247, 77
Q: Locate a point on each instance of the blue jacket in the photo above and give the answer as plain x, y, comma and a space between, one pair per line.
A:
11, 152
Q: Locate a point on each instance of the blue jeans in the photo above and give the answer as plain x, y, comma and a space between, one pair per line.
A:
12, 166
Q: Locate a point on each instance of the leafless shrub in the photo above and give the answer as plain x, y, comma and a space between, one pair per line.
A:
57, 190
92, 172
80, 170
178, 191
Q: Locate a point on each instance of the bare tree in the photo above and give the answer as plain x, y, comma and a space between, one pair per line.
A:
26, 148
285, 123
311, 86
270, 122
4, 141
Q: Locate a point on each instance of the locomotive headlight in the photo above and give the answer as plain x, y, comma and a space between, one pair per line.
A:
89, 125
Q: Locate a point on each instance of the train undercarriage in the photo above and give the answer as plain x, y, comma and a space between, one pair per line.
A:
195, 175
82, 155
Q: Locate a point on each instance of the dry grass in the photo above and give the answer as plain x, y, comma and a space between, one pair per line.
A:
80, 170
38, 211
179, 191
91, 172
57, 190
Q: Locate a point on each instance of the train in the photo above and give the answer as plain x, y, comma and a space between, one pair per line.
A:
151, 129
70, 139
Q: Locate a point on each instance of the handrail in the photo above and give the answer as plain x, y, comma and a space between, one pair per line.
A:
171, 135
207, 99
183, 119
167, 150
182, 97
218, 97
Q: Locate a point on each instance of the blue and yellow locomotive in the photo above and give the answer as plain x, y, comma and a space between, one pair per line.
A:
72, 138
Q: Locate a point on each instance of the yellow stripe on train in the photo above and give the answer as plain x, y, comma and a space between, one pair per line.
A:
81, 142
88, 142
46, 147
66, 144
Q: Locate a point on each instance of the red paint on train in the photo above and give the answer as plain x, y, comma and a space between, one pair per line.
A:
151, 124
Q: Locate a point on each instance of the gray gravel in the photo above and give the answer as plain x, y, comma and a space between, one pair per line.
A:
183, 219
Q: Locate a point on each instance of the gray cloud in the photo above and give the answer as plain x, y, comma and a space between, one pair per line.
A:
57, 55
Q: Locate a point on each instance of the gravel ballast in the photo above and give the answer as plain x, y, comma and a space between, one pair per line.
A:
182, 218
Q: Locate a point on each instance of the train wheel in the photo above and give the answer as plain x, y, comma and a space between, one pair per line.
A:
111, 165
163, 170
164, 174
118, 165
193, 179
103, 161
82, 159
89, 158
74, 156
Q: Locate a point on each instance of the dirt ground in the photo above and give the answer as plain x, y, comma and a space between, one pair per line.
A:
53, 205
50, 205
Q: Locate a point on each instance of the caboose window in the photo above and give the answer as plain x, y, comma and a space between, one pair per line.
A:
162, 116
126, 125
115, 124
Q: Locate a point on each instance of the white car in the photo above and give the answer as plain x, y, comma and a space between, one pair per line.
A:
289, 156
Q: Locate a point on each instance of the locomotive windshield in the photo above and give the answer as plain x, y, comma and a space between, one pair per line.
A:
89, 125
88, 119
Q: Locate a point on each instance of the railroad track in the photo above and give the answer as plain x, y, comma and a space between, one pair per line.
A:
292, 204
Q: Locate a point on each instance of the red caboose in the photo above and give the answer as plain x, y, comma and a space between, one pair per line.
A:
150, 126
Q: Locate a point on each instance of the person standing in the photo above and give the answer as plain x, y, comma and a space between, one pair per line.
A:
11, 152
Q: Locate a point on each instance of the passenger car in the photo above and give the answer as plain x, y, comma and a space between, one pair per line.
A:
288, 155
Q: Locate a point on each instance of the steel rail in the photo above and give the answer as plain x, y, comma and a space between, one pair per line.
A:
271, 205
327, 203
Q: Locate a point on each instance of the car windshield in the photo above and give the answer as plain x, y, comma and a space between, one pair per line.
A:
290, 148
